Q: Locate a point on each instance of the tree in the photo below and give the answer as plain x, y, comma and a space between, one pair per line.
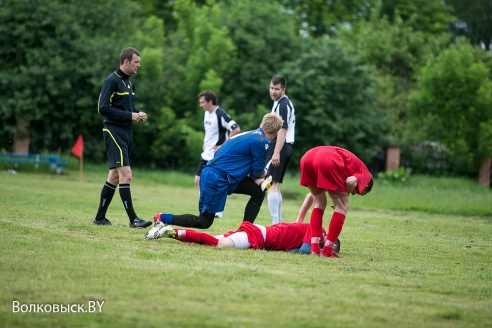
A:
397, 52
474, 20
319, 18
195, 56
150, 41
334, 98
325, 17
162, 9
198, 55
266, 38
58, 54
453, 106
223, 46
426, 16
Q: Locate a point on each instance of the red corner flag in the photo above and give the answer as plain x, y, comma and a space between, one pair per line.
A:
78, 148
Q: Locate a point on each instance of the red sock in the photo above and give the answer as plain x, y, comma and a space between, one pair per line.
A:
327, 251
334, 230
192, 236
335, 227
316, 222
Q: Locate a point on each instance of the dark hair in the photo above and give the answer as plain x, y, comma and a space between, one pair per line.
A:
368, 187
128, 53
276, 80
209, 95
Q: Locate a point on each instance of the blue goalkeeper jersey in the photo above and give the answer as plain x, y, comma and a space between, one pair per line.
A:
242, 155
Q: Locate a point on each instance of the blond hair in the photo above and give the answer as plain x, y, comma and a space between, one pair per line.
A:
271, 123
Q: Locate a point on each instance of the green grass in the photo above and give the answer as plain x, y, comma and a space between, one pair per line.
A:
418, 255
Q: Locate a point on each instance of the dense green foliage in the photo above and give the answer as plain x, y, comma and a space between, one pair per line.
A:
474, 21
455, 107
56, 65
397, 51
350, 66
335, 101
399, 175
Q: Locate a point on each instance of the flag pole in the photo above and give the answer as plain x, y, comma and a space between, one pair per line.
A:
81, 167
78, 151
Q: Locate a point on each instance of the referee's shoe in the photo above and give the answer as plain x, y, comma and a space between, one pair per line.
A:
139, 223
102, 222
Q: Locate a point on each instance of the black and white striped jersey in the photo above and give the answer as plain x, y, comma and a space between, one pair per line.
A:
217, 126
285, 109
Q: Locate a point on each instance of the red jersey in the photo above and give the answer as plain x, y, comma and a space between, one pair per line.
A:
282, 236
328, 167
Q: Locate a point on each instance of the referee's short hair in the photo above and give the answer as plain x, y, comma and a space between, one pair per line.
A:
128, 53
271, 123
209, 95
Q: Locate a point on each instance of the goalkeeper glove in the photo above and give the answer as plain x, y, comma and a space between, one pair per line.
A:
266, 184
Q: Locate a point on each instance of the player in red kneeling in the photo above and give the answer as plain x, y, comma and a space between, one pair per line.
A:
340, 173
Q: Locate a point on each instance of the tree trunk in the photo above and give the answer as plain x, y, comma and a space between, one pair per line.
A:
392, 158
484, 174
21, 137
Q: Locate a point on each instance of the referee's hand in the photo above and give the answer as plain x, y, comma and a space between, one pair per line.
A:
139, 117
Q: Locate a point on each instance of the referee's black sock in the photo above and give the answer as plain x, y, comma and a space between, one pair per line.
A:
107, 194
126, 198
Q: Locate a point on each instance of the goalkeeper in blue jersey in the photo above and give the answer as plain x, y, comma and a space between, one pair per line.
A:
237, 167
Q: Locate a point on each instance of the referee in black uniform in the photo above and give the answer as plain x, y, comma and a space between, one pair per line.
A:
116, 104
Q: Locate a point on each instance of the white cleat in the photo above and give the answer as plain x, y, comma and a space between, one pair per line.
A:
154, 232
167, 231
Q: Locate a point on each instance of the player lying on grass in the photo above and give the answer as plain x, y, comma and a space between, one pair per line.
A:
284, 236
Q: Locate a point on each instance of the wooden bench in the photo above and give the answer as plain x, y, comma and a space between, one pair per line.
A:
54, 162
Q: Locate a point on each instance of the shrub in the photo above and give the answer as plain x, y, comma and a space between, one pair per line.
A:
399, 175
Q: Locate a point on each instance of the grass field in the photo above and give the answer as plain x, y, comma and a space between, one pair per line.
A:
418, 255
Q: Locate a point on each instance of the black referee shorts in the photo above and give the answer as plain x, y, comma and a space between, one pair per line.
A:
278, 172
118, 145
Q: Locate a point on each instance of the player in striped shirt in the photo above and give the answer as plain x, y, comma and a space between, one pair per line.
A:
280, 151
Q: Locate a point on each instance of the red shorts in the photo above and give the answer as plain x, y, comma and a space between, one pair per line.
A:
323, 167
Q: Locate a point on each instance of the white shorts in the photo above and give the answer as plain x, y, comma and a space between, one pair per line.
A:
240, 239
